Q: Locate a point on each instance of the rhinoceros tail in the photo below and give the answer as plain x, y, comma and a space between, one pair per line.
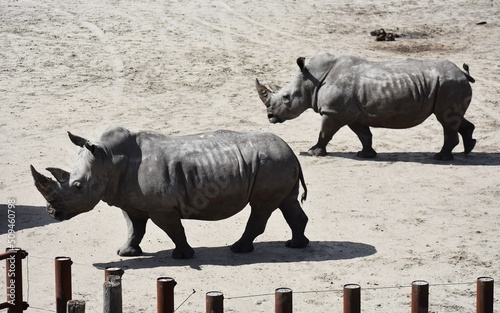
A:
303, 183
467, 74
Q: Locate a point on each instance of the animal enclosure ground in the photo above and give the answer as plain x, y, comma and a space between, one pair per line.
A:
180, 67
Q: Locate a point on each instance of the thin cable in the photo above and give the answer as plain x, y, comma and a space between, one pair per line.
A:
194, 291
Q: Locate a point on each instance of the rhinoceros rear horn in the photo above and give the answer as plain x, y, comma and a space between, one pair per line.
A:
44, 184
60, 175
77, 140
264, 93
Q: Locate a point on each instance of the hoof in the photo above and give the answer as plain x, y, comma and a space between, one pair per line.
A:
182, 253
314, 151
297, 243
443, 156
469, 146
238, 247
129, 251
367, 154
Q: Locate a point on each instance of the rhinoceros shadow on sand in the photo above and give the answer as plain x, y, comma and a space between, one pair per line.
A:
474, 159
27, 216
265, 252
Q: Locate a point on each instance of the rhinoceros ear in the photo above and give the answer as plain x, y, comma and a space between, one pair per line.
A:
301, 63
96, 150
77, 140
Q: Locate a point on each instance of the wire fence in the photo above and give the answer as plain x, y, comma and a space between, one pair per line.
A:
226, 298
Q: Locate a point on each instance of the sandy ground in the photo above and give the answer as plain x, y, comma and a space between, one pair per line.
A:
180, 67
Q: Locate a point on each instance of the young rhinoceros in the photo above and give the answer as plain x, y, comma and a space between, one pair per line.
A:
350, 91
209, 176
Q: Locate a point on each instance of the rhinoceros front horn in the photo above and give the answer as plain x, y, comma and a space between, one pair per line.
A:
264, 93
44, 184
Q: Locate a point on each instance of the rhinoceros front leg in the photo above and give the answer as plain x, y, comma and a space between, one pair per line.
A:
136, 229
329, 126
170, 222
365, 136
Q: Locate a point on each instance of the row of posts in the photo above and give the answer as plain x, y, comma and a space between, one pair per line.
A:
215, 299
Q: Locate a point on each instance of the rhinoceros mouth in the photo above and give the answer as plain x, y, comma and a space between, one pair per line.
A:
57, 213
273, 119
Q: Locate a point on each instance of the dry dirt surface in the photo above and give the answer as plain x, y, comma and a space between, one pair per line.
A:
181, 67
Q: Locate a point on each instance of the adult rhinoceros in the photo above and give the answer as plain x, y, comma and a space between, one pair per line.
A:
209, 176
350, 91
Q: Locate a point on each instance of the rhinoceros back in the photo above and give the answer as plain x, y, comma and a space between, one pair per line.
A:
212, 176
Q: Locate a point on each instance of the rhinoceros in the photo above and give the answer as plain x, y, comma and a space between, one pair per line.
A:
208, 176
348, 90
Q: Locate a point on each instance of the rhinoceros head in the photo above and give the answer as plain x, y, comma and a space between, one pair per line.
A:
288, 102
79, 191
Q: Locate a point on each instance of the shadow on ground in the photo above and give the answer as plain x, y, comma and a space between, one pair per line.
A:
473, 158
265, 252
26, 216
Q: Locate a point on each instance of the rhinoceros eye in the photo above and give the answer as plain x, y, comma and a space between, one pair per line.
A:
286, 98
77, 186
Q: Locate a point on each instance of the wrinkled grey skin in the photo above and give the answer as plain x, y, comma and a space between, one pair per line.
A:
209, 176
351, 91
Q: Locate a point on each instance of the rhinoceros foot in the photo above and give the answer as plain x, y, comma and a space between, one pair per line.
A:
317, 151
469, 145
129, 251
185, 253
441, 156
297, 242
368, 153
241, 247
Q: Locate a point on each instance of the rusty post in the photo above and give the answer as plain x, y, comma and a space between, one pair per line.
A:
113, 271
420, 296
283, 301
14, 283
214, 302
484, 295
165, 294
63, 282
352, 298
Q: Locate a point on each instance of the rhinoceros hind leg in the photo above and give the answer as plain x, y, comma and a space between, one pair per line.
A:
171, 224
450, 142
367, 153
255, 226
466, 129
297, 220
184, 253
317, 151
365, 136
129, 251
241, 247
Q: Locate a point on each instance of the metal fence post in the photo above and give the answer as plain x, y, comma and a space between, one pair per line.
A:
165, 294
214, 302
484, 295
352, 298
63, 282
283, 302
420, 296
